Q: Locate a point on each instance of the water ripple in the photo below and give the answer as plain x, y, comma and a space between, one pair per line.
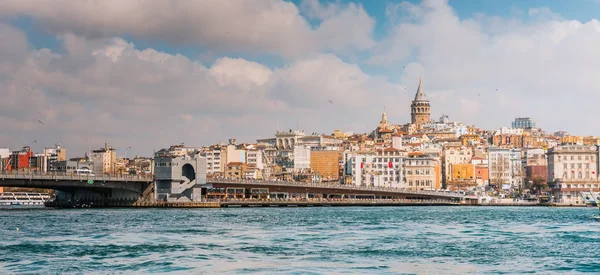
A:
353, 240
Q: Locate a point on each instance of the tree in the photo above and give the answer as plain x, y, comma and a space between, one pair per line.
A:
538, 184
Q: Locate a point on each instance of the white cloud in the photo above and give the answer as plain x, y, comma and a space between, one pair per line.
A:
110, 90
314, 9
265, 26
482, 70
538, 66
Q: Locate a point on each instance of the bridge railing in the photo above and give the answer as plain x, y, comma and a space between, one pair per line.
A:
337, 186
323, 200
71, 176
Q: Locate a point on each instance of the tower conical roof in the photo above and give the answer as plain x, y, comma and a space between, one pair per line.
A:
420, 96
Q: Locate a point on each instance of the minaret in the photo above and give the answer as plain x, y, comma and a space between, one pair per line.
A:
420, 108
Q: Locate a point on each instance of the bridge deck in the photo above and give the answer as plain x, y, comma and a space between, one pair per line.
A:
73, 177
251, 183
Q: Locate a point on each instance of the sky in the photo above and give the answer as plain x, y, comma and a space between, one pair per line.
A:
148, 74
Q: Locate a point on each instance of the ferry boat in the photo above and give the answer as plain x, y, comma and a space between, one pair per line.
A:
591, 198
23, 198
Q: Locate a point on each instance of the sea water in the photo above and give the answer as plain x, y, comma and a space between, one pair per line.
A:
312, 240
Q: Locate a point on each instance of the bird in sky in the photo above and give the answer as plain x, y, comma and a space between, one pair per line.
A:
40, 122
330, 101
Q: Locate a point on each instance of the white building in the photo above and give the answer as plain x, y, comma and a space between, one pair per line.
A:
301, 157
534, 157
233, 154
287, 140
509, 131
420, 173
104, 160
379, 168
4, 153
213, 159
254, 158
572, 169
572, 162
397, 142
505, 168
445, 125
292, 138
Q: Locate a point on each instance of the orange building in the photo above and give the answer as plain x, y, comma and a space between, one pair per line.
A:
482, 174
571, 140
463, 172
591, 141
326, 163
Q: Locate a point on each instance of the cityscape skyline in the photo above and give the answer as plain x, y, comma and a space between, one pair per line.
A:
65, 80
299, 136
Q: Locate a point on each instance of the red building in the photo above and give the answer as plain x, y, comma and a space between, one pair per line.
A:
533, 171
19, 160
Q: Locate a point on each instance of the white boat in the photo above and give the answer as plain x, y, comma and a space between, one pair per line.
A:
591, 198
23, 198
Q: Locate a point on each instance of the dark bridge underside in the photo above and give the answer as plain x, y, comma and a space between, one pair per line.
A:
70, 185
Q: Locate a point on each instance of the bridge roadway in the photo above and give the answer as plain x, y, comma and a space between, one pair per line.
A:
125, 187
325, 188
134, 187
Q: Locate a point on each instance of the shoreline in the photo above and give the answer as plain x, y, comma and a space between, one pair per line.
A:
294, 203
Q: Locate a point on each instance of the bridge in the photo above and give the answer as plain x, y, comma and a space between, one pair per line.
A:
124, 190
104, 188
306, 189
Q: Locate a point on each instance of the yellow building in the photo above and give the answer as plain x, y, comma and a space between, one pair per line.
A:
325, 163
591, 141
441, 135
571, 140
236, 170
461, 172
339, 134
438, 176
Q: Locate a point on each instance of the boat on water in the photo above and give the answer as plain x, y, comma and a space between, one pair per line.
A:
23, 199
591, 198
